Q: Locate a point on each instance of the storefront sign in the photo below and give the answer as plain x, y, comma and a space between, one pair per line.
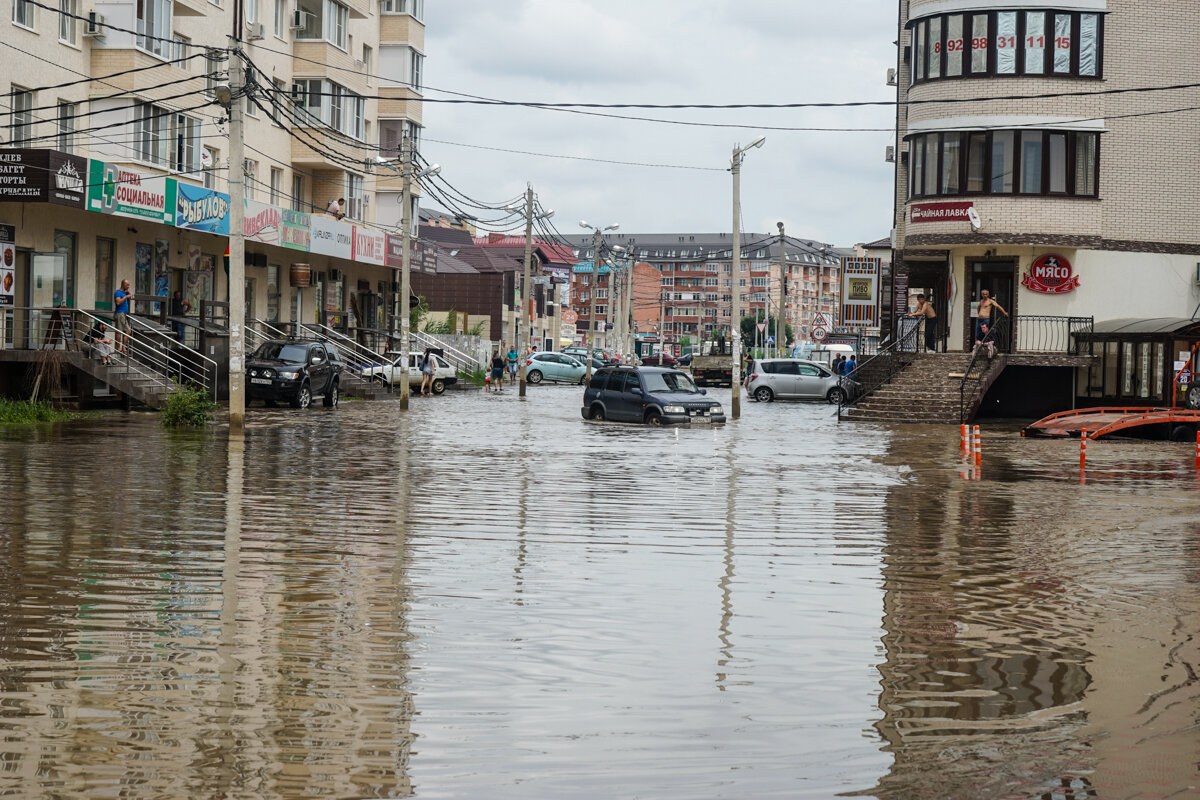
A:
1050, 274
114, 189
860, 292
294, 231
263, 222
42, 176
370, 247
8, 258
939, 212
330, 237
201, 209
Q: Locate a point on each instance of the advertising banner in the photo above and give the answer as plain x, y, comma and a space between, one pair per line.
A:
1050, 274
123, 192
294, 230
263, 222
330, 237
939, 212
42, 176
860, 292
8, 258
370, 247
200, 209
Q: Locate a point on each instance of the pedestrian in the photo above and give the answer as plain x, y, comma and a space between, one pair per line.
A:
837, 365
102, 346
849, 366
487, 380
336, 208
925, 309
983, 314
428, 367
179, 308
512, 358
986, 340
498, 371
122, 298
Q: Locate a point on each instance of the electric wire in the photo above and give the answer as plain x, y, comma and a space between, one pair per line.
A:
60, 12
102, 78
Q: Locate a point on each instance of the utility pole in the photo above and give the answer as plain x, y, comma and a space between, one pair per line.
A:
526, 290
237, 231
595, 291
405, 308
780, 325
662, 320
735, 166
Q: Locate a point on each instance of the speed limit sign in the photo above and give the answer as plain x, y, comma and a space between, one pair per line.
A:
819, 333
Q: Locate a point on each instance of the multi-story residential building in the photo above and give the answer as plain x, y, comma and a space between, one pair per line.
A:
691, 294
1042, 155
120, 152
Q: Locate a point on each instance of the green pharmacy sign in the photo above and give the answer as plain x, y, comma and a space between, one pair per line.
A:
117, 190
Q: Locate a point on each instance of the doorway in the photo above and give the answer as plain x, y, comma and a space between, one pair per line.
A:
999, 279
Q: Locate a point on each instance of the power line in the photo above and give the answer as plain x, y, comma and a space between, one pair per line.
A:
102, 78
139, 35
577, 158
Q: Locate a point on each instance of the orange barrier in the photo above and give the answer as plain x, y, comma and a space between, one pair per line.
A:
1083, 448
975, 445
964, 444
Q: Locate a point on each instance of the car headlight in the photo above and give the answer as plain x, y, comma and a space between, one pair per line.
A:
716, 410
289, 376
674, 409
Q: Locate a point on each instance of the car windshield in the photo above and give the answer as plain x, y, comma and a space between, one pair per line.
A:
282, 351
669, 382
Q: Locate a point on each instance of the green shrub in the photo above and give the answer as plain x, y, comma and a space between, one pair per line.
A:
475, 376
26, 412
187, 407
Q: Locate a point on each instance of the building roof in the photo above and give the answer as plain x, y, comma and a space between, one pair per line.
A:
452, 236
697, 246
879, 244
448, 262
551, 253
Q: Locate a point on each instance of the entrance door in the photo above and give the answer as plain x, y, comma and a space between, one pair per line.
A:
998, 277
49, 287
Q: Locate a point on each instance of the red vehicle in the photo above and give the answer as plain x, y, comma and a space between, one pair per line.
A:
666, 360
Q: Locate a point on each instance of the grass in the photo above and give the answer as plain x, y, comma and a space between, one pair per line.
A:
186, 408
25, 412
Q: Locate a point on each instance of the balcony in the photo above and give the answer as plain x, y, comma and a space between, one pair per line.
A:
342, 68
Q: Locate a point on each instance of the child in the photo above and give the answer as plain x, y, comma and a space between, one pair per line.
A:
487, 381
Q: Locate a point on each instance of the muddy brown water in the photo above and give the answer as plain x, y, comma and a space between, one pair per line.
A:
489, 597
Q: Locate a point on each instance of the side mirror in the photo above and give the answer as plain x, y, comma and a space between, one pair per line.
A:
636, 390
317, 359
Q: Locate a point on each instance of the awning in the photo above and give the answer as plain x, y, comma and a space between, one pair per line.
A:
1152, 327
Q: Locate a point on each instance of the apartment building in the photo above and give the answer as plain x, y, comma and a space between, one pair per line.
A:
689, 295
117, 152
1041, 156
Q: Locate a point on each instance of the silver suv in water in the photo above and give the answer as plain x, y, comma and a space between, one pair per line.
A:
791, 379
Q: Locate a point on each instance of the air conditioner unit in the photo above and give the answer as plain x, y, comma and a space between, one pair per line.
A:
891, 77
358, 62
298, 18
889, 154
94, 27
255, 31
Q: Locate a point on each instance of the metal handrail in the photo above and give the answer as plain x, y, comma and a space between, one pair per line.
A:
457, 358
878, 370
150, 354
357, 356
997, 336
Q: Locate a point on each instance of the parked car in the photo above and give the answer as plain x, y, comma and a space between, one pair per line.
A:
685, 360
548, 366
598, 353
650, 395
667, 360
295, 370
390, 372
793, 378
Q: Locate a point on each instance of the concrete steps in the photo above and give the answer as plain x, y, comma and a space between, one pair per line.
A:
926, 391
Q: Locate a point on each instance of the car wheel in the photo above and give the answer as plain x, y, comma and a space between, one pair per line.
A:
331, 396
583, 379
1193, 397
596, 413
763, 395
1183, 433
654, 419
836, 395
438, 386
534, 376
303, 398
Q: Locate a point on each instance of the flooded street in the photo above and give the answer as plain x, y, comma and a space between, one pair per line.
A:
490, 597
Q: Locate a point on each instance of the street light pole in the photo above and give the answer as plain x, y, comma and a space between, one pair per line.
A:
735, 166
405, 309
597, 234
526, 289
780, 326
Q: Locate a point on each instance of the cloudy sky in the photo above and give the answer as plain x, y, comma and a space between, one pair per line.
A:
829, 186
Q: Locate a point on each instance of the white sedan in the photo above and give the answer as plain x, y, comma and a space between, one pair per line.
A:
391, 371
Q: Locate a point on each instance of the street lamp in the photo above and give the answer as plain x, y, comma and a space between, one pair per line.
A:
407, 173
525, 293
597, 234
735, 166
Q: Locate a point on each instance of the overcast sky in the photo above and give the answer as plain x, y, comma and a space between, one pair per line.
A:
830, 186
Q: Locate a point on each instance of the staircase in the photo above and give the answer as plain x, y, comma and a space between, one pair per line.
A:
354, 356
927, 390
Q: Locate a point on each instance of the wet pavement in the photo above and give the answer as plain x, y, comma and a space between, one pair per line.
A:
489, 597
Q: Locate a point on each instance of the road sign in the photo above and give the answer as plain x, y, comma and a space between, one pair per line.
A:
762, 327
770, 340
822, 320
819, 333
570, 316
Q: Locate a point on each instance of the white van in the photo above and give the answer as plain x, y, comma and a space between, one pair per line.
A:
826, 353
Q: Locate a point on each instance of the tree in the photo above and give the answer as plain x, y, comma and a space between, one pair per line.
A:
750, 332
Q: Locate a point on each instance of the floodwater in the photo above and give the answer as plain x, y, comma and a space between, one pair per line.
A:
490, 597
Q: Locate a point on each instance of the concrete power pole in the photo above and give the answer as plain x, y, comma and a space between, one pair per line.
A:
404, 310
595, 291
237, 239
780, 323
735, 384
526, 288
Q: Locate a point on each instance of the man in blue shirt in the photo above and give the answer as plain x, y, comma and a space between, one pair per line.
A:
121, 300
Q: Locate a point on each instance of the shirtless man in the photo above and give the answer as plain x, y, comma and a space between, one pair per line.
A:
984, 315
925, 309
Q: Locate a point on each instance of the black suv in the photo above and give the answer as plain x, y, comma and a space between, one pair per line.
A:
295, 370
652, 395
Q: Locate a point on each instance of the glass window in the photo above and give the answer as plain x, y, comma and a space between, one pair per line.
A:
598, 380
1056, 165
21, 123
64, 243
1035, 42
1031, 162
298, 193
951, 162
1089, 44
954, 45
979, 43
919, 50
66, 126
918, 166
931, 164
935, 47
154, 27
104, 272
354, 196
976, 161
1002, 162
1062, 43
150, 133
280, 17
186, 144
1085, 163
68, 25
23, 11
1126, 369
1006, 43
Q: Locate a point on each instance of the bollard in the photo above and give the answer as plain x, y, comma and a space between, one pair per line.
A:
965, 446
975, 445
1198, 449
1083, 448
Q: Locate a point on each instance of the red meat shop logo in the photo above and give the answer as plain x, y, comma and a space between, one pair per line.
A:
1050, 274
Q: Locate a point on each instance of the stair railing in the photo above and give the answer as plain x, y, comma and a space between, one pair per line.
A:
155, 355
994, 342
357, 357
879, 369
457, 358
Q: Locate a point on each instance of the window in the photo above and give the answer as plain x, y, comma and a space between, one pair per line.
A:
298, 203
20, 128
668, 281
1024, 43
150, 132
209, 162
281, 14
250, 173
325, 101
278, 97
368, 59
354, 196
185, 136
181, 47
154, 27
1005, 162
276, 185
23, 11
414, 7
68, 25
414, 72
323, 19
250, 8
66, 126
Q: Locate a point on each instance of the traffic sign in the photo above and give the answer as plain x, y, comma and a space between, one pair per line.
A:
819, 333
821, 320
570, 316
762, 327
770, 340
